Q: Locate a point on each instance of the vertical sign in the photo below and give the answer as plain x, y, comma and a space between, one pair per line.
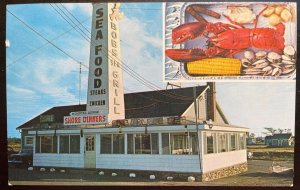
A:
105, 85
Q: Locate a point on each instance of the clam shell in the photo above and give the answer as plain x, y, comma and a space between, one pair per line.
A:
278, 73
268, 68
274, 57
286, 62
289, 51
259, 61
285, 57
287, 71
275, 71
276, 65
267, 73
261, 55
249, 55
288, 67
252, 69
261, 65
253, 72
246, 62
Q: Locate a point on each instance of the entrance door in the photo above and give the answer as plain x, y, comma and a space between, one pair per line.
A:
90, 151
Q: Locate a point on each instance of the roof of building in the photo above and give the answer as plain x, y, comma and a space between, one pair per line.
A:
279, 136
162, 103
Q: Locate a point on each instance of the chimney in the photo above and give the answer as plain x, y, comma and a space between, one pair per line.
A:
211, 101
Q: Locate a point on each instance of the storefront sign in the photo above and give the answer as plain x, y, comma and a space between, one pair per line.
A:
150, 121
46, 118
84, 113
85, 119
105, 85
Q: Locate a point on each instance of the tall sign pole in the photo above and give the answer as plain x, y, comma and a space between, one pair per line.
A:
105, 82
197, 129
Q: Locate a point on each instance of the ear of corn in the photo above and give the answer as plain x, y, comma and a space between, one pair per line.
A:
215, 66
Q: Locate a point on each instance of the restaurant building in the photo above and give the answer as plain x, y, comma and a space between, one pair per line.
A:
180, 130
159, 134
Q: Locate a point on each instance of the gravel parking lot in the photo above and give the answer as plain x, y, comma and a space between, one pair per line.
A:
258, 174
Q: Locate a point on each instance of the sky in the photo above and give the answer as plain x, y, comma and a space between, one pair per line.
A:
39, 76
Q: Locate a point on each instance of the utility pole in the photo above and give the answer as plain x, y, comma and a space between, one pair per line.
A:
79, 93
196, 116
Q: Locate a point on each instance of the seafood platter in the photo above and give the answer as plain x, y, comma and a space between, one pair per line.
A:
251, 41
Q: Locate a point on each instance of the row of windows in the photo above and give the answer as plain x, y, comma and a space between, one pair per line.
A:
217, 142
67, 144
172, 143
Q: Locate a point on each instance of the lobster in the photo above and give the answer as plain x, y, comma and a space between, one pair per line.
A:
224, 40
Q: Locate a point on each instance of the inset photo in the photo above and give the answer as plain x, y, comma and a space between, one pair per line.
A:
235, 41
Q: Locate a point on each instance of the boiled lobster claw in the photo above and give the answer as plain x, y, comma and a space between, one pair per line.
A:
183, 33
187, 32
185, 55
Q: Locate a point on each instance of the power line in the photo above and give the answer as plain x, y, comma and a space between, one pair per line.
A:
78, 62
83, 35
29, 53
127, 69
131, 72
159, 101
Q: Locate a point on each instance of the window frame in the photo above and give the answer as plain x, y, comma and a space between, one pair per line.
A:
54, 150
214, 145
187, 141
219, 134
69, 144
134, 136
111, 143
26, 138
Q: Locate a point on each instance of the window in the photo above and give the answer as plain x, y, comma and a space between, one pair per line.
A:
105, 144
64, 144
46, 144
37, 144
210, 142
165, 143
90, 143
112, 144
130, 144
28, 141
142, 143
118, 144
180, 143
154, 143
75, 144
69, 144
232, 142
242, 141
222, 142
193, 143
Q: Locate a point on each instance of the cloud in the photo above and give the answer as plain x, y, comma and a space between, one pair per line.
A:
258, 105
19, 90
141, 52
86, 8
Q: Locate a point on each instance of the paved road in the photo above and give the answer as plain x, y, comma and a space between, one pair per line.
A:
257, 175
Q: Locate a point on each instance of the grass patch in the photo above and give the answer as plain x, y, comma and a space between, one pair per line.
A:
262, 152
263, 148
